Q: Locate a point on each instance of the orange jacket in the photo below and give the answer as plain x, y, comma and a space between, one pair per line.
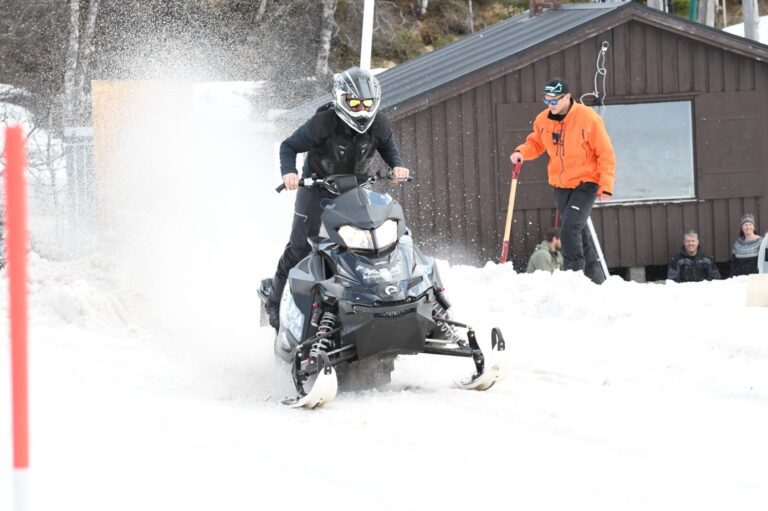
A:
579, 151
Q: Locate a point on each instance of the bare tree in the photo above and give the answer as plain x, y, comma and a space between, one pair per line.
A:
706, 12
471, 18
263, 4
326, 35
70, 66
80, 48
85, 54
751, 20
421, 7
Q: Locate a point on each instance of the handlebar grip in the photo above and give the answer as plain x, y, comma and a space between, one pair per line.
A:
391, 177
282, 186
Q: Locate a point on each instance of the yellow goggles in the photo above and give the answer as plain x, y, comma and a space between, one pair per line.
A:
354, 103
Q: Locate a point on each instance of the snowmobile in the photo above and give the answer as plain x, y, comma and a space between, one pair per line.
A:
364, 295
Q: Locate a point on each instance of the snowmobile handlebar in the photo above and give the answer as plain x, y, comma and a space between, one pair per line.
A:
327, 182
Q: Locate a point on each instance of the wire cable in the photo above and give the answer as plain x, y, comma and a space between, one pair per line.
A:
601, 71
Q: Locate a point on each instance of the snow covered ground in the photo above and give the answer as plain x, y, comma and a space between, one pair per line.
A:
154, 388
738, 29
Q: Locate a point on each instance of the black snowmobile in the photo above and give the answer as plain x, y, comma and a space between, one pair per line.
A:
364, 295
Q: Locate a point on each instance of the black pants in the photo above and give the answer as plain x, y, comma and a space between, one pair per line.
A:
306, 223
574, 206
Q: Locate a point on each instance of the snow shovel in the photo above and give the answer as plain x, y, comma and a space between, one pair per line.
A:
512, 190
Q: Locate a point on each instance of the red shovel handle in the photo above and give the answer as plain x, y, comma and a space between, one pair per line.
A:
510, 207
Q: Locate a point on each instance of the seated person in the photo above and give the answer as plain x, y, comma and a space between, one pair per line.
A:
745, 250
690, 265
547, 255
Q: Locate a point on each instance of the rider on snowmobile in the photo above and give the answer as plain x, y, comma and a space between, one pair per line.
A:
341, 138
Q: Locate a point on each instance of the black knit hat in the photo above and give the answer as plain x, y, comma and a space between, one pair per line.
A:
556, 87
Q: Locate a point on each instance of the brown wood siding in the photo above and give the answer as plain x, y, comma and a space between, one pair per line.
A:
459, 148
761, 84
471, 197
457, 203
441, 227
728, 138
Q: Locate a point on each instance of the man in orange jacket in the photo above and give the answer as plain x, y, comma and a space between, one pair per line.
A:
581, 168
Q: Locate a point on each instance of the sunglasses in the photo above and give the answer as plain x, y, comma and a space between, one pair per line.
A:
354, 102
553, 101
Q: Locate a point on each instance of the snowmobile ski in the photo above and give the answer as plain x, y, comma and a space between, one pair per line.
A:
488, 372
323, 389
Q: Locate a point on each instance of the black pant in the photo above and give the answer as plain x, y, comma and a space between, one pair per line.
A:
306, 223
575, 206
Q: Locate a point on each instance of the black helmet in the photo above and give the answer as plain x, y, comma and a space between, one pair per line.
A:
356, 84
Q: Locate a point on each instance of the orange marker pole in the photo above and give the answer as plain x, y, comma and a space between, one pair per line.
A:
16, 249
510, 207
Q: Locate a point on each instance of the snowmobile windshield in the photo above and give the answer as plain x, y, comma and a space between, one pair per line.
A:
376, 199
363, 219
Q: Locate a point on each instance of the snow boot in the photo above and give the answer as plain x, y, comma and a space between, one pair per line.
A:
273, 309
271, 306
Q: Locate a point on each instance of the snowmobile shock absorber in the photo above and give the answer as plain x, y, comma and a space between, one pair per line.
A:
327, 322
438, 312
441, 299
324, 329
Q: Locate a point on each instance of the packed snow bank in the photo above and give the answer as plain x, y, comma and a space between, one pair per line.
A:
621, 396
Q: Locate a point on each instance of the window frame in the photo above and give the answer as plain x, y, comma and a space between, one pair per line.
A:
675, 98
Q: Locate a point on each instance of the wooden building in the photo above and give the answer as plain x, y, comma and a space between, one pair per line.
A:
686, 107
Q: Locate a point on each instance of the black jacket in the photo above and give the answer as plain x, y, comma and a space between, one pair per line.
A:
744, 256
686, 268
335, 148
743, 266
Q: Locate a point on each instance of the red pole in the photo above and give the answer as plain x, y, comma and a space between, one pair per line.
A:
16, 248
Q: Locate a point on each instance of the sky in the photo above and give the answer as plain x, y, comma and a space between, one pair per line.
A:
154, 387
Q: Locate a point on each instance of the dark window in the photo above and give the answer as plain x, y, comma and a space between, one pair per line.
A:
654, 150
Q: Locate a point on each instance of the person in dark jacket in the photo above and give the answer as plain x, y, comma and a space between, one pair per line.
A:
691, 265
340, 138
547, 255
745, 250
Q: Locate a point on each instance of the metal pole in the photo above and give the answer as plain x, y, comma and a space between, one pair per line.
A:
600, 255
367, 40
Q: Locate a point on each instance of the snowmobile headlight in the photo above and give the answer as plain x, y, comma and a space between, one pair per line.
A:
386, 234
356, 238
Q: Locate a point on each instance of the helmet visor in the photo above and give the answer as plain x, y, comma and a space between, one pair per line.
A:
361, 87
